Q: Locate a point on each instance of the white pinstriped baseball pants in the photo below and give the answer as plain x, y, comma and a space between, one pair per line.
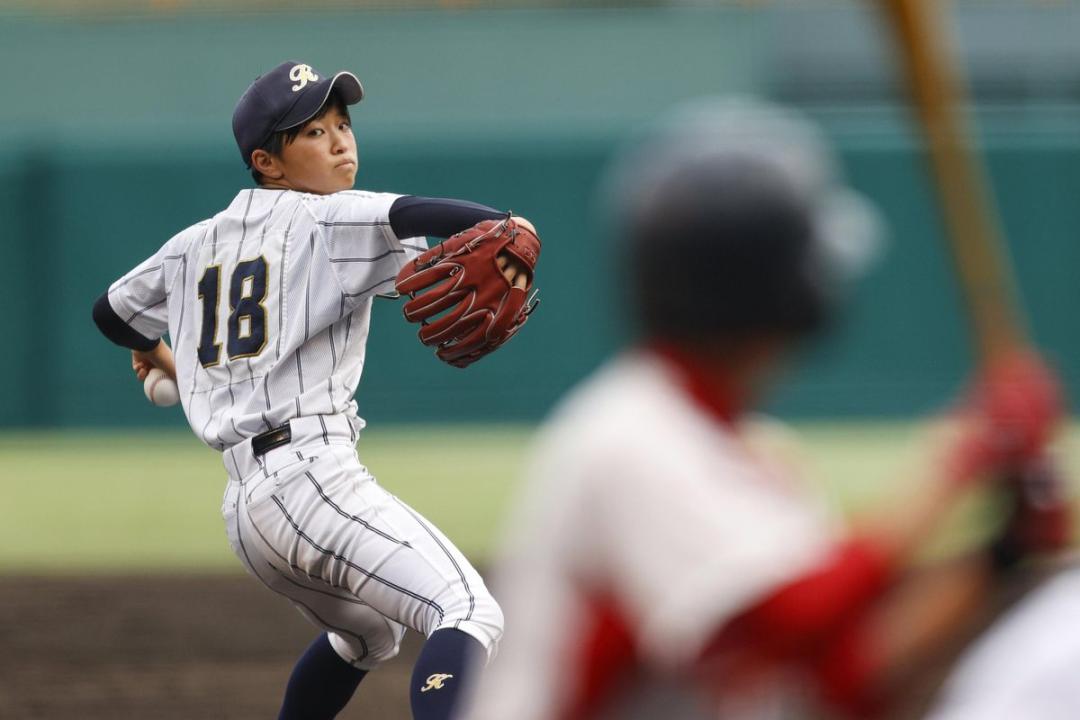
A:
310, 522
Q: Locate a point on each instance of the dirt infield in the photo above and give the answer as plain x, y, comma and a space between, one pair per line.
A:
172, 648
188, 647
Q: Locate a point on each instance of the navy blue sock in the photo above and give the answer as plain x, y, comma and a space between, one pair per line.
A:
320, 685
439, 674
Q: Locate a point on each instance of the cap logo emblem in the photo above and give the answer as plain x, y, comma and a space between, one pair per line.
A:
301, 75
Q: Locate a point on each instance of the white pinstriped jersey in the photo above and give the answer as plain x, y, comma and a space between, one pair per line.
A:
267, 306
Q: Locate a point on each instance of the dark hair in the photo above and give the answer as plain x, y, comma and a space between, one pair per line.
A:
280, 139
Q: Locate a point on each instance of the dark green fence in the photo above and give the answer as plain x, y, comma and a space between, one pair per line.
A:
122, 139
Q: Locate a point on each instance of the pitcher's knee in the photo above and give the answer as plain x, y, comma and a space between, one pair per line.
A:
480, 616
367, 651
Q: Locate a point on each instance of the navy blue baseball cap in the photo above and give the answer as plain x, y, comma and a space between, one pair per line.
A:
287, 96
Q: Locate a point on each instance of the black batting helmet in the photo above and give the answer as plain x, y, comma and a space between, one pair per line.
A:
731, 224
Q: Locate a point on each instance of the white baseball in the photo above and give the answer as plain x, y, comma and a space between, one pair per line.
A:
160, 389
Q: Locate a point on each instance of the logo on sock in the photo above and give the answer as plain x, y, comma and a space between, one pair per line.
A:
435, 681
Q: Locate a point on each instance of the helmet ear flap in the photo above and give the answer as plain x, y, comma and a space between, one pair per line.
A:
812, 292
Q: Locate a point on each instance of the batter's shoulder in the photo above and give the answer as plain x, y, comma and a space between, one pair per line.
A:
618, 405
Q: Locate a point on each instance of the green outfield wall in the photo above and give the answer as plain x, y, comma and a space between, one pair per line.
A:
117, 136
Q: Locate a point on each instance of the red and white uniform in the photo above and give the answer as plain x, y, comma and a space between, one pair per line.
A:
648, 527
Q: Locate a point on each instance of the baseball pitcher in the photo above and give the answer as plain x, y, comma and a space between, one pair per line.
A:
267, 305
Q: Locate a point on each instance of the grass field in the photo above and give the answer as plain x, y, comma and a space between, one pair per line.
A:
142, 501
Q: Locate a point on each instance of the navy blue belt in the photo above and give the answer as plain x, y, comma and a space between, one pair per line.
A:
267, 441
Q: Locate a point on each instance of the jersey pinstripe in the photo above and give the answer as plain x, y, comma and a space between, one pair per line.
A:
267, 306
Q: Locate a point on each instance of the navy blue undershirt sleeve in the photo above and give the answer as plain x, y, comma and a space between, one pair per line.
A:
113, 327
413, 216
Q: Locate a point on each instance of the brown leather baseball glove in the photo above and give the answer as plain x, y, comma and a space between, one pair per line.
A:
466, 307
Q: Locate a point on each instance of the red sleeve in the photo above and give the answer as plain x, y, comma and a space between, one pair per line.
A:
845, 670
817, 621
607, 658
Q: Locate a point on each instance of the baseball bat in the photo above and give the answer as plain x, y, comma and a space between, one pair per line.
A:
972, 227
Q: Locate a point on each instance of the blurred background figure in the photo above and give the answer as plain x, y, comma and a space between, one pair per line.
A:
660, 562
